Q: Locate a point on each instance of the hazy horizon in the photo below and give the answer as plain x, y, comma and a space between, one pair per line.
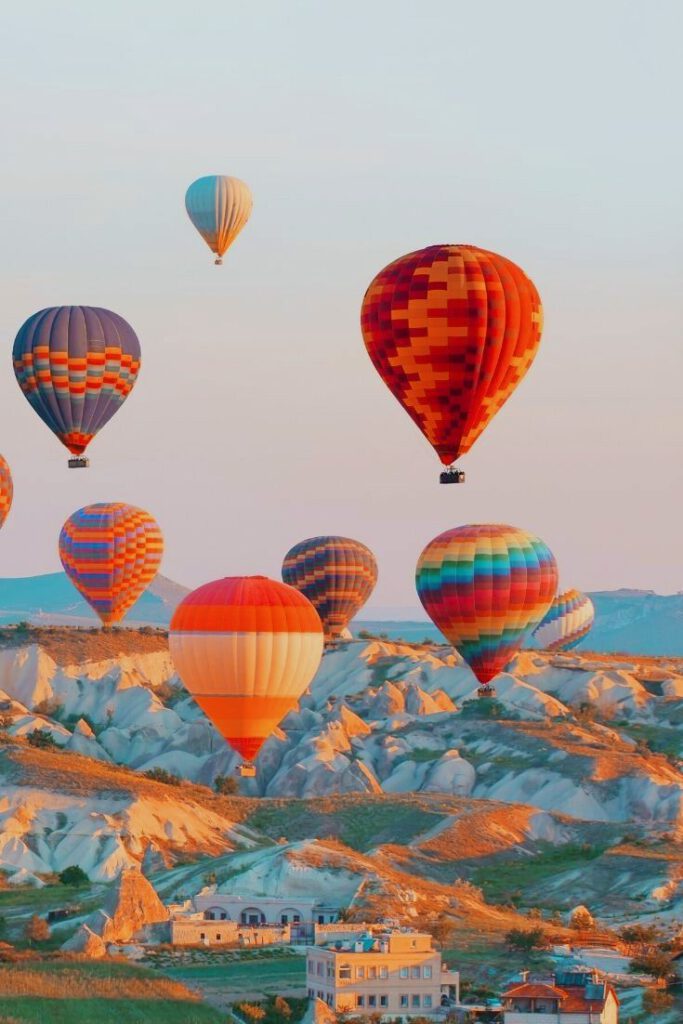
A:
364, 132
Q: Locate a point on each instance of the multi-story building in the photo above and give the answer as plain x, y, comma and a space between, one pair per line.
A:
574, 996
397, 973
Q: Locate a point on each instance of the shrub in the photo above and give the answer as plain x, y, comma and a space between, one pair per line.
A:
73, 875
658, 965
43, 739
657, 999
226, 785
526, 940
161, 775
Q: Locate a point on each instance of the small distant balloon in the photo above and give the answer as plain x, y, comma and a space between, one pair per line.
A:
569, 619
486, 587
451, 330
76, 365
6, 490
219, 207
337, 575
111, 552
246, 647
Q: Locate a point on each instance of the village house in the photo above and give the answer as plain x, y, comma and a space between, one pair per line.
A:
397, 972
573, 996
218, 919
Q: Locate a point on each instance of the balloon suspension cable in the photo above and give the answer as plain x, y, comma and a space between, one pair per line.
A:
452, 475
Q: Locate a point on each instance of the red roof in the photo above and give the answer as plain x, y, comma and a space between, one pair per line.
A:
534, 990
573, 1000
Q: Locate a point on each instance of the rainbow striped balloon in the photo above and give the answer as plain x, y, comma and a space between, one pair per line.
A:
485, 587
246, 647
337, 575
568, 621
111, 552
6, 490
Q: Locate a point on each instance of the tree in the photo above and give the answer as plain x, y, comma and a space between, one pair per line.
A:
161, 775
581, 919
73, 875
37, 930
226, 785
639, 933
658, 965
525, 940
441, 929
656, 999
282, 1007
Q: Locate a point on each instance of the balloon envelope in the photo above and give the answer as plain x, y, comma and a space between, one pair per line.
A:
219, 207
76, 365
111, 552
337, 575
485, 587
568, 620
246, 647
451, 329
6, 490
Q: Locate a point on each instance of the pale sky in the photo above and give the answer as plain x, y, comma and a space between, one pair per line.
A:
547, 132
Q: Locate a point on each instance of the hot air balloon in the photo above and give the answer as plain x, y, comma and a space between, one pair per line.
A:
6, 490
219, 207
485, 587
111, 552
76, 365
451, 330
246, 647
567, 622
336, 574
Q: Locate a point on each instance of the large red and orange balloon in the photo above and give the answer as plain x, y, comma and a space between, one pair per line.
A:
246, 647
337, 575
111, 552
76, 365
6, 490
486, 587
451, 330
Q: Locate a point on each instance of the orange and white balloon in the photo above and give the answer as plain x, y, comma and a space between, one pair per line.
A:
246, 647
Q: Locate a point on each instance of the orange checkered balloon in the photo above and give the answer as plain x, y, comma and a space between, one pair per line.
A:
6, 490
451, 330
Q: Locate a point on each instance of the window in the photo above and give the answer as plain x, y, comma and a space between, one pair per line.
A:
372, 973
310, 967
427, 1001
297, 919
320, 967
414, 972
224, 916
404, 1001
427, 971
383, 1001
384, 972
404, 972
372, 1000
414, 1001
360, 972
284, 919
321, 919
202, 935
360, 1000
218, 936
345, 971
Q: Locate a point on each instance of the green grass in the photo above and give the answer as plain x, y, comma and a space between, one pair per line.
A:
360, 824
253, 975
150, 1001
34, 1010
36, 900
660, 738
500, 878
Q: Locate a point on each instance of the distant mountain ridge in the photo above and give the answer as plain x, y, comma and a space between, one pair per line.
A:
52, 599
632, 621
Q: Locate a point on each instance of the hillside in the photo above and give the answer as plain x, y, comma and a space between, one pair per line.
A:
52, 599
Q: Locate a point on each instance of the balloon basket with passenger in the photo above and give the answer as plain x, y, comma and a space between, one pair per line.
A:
79, 462
452, 475
246, 770
486, 691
